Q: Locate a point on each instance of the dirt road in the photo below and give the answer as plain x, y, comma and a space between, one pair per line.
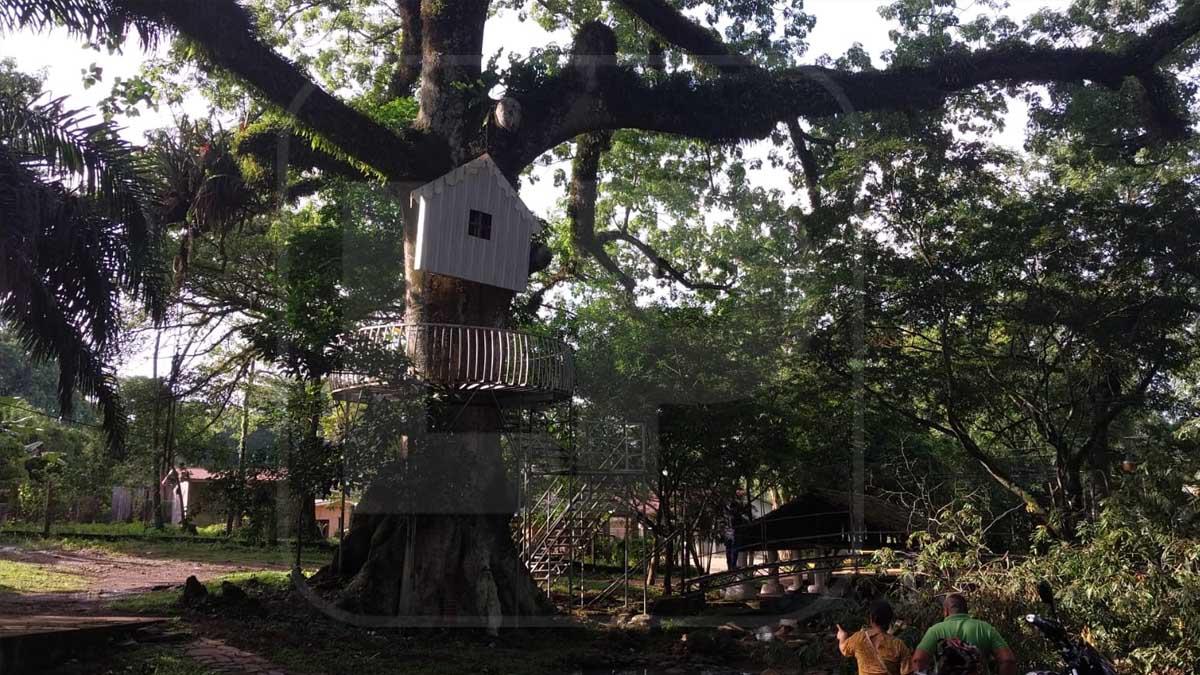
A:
104, 576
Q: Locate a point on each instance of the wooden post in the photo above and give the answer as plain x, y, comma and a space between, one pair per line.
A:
646, 586
625, 564
299, 528
46, 519
342, 518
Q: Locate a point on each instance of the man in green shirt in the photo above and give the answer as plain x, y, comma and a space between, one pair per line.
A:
958, 624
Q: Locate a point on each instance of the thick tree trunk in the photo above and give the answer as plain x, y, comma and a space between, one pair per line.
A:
1071, 493
432, 538
432, 535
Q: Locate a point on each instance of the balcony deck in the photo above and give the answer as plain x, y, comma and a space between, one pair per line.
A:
514, 367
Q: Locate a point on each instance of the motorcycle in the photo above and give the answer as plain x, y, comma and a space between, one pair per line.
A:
1080, 657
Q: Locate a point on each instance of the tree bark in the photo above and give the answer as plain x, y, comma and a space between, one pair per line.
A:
431, 536
238, 507
160, 471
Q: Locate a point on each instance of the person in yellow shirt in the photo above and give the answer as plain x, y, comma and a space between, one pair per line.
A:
875, 650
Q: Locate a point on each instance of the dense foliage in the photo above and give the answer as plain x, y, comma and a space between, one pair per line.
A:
877, 296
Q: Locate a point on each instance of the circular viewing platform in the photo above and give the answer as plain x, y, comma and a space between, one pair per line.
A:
512, 366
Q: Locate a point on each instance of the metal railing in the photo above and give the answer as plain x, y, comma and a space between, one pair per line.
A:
454, 357
561, 519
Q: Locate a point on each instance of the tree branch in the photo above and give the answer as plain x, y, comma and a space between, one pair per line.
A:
581, 204
664, 266
264, 147
408, 58
671, 25
808, 162
581, 210
707, 47
747, 103
533, 304
226, 32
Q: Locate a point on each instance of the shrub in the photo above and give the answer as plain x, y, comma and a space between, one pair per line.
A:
1129, 584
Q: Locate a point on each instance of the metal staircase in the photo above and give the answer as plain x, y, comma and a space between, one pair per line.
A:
569, 492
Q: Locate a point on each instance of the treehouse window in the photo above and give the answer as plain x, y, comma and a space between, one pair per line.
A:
479, 224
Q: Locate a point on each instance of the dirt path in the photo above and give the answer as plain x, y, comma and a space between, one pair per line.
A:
105, 576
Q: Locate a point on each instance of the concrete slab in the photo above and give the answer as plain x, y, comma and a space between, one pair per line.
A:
29, 643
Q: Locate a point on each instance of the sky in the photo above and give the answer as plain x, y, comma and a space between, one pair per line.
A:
840, 24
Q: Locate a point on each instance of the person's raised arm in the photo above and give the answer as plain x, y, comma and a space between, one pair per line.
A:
843, 637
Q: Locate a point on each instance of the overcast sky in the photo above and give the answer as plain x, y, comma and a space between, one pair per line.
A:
840, 24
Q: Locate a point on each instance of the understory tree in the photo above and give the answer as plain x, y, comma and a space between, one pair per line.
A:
412, 559
78, 229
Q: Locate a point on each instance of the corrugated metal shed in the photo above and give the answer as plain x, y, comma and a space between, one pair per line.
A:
472, 225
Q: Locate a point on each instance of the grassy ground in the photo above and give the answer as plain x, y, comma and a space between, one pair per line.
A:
224, 552
167, 602
24, 577
218, 552
115, 530
277, 624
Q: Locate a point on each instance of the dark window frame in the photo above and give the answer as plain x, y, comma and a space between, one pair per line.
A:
479, 224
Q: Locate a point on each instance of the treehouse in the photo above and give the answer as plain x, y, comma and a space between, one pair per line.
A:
467, 362
472, 225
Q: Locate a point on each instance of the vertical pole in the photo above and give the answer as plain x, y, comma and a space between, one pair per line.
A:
683, 541
299, 529
567, 526
234, 511
625, 562
646, 585
159, 471
342, 517
582, 531
49, 490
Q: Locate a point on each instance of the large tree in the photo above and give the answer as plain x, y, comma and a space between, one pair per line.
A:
465, 564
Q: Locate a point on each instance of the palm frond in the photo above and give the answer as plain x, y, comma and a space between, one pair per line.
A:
98, 20
69, 145
55, 285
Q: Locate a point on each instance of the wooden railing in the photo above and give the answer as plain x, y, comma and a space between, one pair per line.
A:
464, 358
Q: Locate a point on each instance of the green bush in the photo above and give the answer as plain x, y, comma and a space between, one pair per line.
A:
611, 550
112, 529
1129, 584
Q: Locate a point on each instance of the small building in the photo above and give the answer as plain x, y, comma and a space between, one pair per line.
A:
200, 494
824, 519
472, 225
328, 514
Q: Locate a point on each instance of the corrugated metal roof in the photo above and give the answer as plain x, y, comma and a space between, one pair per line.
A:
197, 474
484, 164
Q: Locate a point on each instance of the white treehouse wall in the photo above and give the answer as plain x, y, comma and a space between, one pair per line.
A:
443, 243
